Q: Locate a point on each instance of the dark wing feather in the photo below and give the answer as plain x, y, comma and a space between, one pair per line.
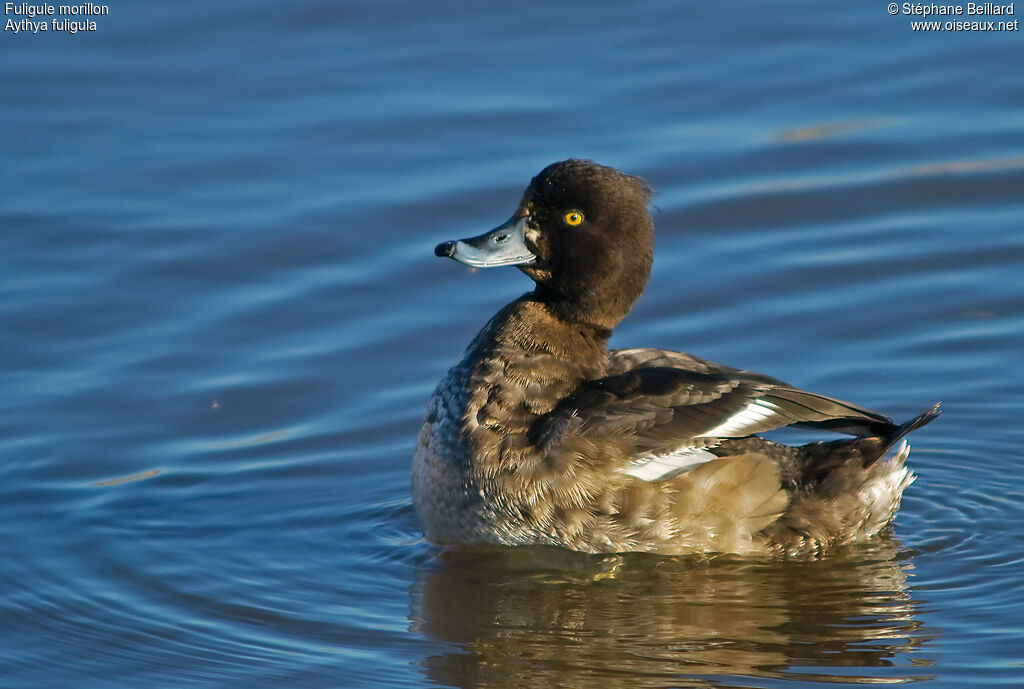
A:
626, 360
665, 409
828, 414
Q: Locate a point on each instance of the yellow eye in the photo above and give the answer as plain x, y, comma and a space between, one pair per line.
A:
573, 218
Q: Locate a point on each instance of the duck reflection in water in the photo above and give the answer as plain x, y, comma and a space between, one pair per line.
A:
539, 617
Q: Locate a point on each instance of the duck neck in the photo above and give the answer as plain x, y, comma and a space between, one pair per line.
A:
586, 310
594, 298
540, 330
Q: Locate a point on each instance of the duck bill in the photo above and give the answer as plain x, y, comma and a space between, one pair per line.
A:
502, 246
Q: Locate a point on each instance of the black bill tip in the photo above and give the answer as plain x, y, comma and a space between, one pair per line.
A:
445, 249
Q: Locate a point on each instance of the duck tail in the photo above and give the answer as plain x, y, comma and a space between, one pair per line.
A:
896, 434
844, 493
820, 459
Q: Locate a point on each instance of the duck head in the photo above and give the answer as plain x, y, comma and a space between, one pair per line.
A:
582, 233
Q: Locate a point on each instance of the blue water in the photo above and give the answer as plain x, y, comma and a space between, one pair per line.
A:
220, 320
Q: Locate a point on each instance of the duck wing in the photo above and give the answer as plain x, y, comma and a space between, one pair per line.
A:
626, 360
669, 410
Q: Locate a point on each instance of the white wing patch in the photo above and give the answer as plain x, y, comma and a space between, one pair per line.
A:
740, 423
663, 467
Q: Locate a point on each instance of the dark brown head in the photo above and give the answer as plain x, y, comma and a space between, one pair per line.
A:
582, 233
